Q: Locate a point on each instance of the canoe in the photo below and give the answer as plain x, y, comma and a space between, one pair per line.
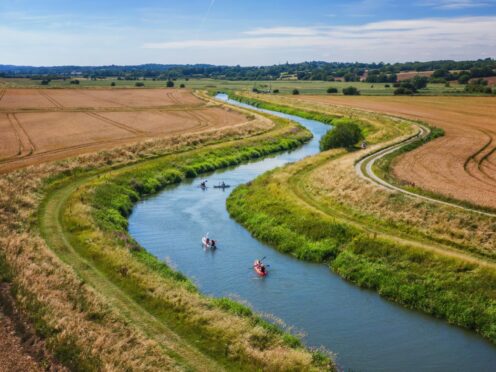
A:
221, 186
207, 245
259, 271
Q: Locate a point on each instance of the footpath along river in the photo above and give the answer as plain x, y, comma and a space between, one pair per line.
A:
366, 332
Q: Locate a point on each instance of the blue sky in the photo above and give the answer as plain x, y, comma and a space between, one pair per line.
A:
56, 32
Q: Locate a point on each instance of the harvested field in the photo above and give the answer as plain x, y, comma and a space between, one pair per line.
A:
462, 164
38, 125
94, 98
408, 75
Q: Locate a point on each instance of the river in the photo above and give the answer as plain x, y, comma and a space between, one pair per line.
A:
366, 332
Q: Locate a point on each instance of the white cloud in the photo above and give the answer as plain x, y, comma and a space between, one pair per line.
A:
293, 31
386, 36
455, 4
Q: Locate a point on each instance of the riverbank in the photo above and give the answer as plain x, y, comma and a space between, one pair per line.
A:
88, 284
319, 210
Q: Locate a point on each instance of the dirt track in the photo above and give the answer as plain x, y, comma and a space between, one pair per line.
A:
38, 125
462, 164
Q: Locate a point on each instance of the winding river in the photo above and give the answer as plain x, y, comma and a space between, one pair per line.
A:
366, 332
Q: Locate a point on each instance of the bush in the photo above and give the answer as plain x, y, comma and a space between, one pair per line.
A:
387, 86
402, 91
332, 90
112, 84
170, 84
139, 84
463, 78
182, 86
275, 91
45, 82
254, 90
76, 82
346, 133
296, 92
351, 91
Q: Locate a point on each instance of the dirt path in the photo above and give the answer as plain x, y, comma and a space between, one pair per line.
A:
458, 165
364, 169
13, 357
187, 357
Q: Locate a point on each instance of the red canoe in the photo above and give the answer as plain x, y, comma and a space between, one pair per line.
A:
258, 269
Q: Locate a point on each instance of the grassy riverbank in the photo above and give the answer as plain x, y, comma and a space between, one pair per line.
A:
94, 216
297, 210
101, 301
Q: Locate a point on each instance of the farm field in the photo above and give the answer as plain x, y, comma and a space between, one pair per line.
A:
462, 164
41, 125
284, 86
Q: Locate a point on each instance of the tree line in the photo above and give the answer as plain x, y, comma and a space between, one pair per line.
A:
316, 70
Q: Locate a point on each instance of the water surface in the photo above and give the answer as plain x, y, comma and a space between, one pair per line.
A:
366, 332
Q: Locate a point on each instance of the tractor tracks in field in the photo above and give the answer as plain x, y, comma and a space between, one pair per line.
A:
50, 99
116, 124
26, 146
364, 169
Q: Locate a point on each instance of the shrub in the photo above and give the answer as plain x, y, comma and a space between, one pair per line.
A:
346, 133
254, 90
387, 86
139, 84
296, 92
463, 78
182, 86
45, 82
402, 91
275, 91
76, 82
351, 91
332, 90
170, 84
112, 84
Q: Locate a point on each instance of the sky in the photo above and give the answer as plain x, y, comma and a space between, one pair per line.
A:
251, 32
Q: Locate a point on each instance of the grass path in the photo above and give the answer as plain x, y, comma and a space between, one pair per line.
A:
297, 183
186, 356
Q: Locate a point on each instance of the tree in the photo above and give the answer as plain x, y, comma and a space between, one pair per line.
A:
464, 78
346, 133
351, 91
419, 82
332, 90
296, 92
170, 84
